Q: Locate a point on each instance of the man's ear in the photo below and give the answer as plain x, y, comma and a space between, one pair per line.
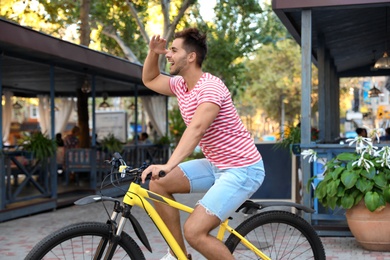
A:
192, 57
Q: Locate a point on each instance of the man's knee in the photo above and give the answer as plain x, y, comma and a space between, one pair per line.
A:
157, 187
191, 232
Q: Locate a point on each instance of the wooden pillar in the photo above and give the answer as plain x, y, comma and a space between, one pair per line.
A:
321, 57
306, 45
93, 94
328, 112
326, 93
337, 115
53, 159
2, 157
94, 169
335, 105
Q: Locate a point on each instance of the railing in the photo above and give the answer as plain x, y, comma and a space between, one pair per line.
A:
326, 220
135, 155
23, 179
77, 160
84, 160
22, 171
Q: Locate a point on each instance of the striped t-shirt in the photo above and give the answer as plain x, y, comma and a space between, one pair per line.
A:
226, 143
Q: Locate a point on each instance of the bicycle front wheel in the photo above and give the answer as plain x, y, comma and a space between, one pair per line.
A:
84, 241
280, 235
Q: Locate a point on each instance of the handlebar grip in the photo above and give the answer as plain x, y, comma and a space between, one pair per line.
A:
117, 155
160, 174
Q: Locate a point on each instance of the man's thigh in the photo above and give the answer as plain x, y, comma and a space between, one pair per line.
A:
199, 173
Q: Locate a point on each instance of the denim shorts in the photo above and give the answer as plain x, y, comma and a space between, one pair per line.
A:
225, 189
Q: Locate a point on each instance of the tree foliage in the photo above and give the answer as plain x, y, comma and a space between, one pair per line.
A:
244, 40
239, 28
275, 77
123, 28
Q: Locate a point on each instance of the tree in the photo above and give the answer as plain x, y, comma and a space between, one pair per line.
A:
275, 72
239, 28
82, 97
121, 28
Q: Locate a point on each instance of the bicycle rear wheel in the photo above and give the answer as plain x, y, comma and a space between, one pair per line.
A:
81, 241
279, 235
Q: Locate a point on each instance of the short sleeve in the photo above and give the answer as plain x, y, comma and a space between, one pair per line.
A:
174, 83
213, 92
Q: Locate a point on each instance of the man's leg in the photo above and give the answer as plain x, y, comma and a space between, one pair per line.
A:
231, 188
197, 230
173, 182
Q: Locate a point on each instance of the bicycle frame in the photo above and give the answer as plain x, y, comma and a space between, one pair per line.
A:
295, 238
137, 196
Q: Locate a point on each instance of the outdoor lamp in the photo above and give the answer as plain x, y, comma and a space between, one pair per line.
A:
86, 87
17, 105
374, 92
104, 104
384, 62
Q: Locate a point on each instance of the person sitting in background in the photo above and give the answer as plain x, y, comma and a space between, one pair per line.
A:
386, 137
59, 140
144, 139
60, 153
72, 140
361, 132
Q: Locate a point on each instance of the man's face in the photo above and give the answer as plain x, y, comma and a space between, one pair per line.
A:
177, 58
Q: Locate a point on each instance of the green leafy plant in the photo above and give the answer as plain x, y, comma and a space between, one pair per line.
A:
176, 125
353, 176
111, 144
164, 140
39, 145
292, 135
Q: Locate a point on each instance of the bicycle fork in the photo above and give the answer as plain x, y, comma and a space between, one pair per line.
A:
115, 233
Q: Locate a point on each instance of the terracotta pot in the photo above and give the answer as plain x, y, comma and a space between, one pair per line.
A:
371, 229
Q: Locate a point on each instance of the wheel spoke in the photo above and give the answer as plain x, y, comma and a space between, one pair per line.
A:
278, 234
84, 241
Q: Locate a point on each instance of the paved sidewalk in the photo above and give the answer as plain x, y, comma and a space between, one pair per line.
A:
18, 236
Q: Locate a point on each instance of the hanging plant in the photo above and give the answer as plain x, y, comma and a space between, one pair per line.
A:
39, 145
111, 144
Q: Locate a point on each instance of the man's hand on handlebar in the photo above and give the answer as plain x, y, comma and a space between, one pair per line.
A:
155, 171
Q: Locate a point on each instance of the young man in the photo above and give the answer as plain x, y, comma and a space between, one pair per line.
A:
232, 170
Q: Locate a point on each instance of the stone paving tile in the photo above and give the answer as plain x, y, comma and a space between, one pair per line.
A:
18, 236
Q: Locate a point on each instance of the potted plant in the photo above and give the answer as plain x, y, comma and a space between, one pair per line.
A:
39, 145
292, 138
359, 182
111, 144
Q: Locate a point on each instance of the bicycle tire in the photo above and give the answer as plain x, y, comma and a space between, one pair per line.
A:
280, 235
79, 241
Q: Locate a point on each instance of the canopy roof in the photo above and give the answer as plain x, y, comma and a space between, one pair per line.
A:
354, 32
27, 56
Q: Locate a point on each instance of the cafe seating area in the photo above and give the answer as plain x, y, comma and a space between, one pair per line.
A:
28, 182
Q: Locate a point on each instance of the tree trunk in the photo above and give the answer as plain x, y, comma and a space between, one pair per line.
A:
85, 29
82, 98
83, 117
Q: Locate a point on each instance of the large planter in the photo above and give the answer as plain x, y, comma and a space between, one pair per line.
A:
371, 229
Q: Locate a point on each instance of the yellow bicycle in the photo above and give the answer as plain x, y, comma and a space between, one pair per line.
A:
268, 234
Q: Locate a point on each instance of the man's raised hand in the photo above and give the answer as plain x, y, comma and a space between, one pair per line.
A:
158, 45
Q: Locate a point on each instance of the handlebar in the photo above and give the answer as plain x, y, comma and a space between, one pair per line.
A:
119, 165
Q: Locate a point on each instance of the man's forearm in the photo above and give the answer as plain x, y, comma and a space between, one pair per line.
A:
189, 140
151, 69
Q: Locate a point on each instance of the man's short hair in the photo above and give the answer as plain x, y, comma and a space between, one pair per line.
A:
194, 41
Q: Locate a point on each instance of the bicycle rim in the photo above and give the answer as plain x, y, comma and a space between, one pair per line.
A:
280, 235
82, 241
